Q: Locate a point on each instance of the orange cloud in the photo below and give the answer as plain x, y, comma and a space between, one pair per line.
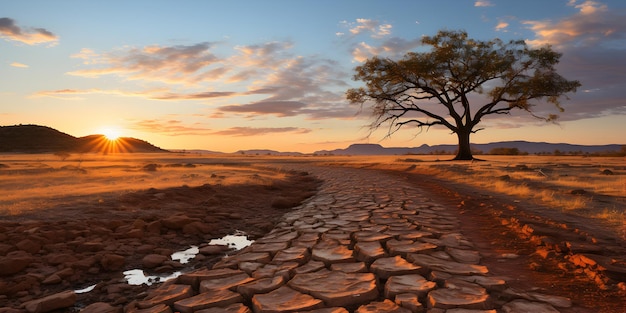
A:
256, 131
20, 65
9, 30
593, 23
170, 128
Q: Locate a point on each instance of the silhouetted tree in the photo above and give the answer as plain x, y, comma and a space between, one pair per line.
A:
434, 87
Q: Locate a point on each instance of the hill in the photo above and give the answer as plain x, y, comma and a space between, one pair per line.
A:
523, 146
43, 139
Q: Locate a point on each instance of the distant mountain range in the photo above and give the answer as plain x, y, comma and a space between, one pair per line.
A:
42, 139
522, 146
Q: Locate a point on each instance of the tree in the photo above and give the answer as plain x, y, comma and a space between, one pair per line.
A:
435, 87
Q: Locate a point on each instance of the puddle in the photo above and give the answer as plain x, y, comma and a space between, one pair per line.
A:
85, 290
138, 277
237, 241
184, 256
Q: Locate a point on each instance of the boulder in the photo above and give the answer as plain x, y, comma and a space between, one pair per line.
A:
153, 260
112, 262
14, 262
53, 302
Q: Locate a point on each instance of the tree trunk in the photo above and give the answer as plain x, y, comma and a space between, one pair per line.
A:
465, 151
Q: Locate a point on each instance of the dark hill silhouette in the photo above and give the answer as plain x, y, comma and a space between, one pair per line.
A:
42, 139
523, 146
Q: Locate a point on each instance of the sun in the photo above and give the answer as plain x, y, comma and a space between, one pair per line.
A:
111, 134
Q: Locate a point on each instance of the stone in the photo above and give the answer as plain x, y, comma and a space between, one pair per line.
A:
225, 282
368, 235
213, 249
271, 248
403, 247
386, 267
101, 307
557, 301
311, 266
160, 308
284, 299
522, 306
409, 301
29, 246
464, 256
112, 262
490, 283
52, 279
331, 252
414, 284
436, 264
14, 262
263, 285
233, 261
166, 294
293, 254
448, 298
233, 308
177, 221
337, 288
212, 298
53, 302
194, 278
154, 260
329, 310
358, 267
384, 306
368, 251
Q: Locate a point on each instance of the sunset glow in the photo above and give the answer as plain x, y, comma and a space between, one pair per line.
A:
223, 78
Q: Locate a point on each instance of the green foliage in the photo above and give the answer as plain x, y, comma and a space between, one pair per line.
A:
433, 88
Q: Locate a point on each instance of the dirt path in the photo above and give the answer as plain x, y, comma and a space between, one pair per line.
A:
509, 251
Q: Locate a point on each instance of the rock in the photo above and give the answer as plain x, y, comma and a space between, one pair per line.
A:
112, 262
208, 299
522, 306
403, 247
166, 294
263, 285
213, 249
233, 261
233, 308
386, 267
101, 307
436, 264
194, 278
458, 294
409, 301
414, 284
225, 282
153, 260
53, 302
29, 246
358, 267
331, 252
384, 306
293, 254
578, 192
284, 299
196, 228
464, 256
368, 251
337, 288
607, 172
14, 262
52, 279
177, 221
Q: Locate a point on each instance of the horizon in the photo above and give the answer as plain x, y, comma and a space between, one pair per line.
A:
211, 76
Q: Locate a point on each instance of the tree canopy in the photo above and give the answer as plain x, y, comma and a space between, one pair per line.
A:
435, 87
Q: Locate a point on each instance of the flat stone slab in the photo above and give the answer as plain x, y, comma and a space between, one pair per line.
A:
403, 247
464, 256
284, 299
414, 284
166, 294
233, 308
293, 254
206, 300
225, 282
331, 252
337, 288
436, 264
409, 301
387, 267
358, 267
233, 261
522, 306
369, 251
369, 235
263, 285
384, 306
447, 298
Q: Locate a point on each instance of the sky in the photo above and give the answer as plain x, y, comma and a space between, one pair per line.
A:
237, 75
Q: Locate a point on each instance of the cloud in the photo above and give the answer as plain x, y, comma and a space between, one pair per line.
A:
256, 131
483, 3
278, 108
169, 64
20, 65
74, 94
170, 128
502, 26
394, 47
31, 36
194, 96
594, 23
363, 25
